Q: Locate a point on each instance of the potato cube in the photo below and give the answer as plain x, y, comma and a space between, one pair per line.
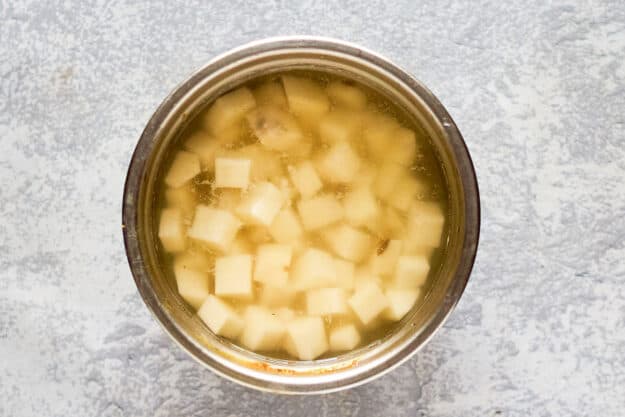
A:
272, 264
306, 338
326, 301
261, 205
314, 268
339, 126
270, 93
285, 314
388, 177
286, 227
182, 198
232, 172
215, 228
344, 338
266, 164
183, 168
230, 136
344, 274
400, 302
340, 164
275, 128
385, 257
233, 276
346, 95
378, 133
366, 176
277, 296
425, 224
229, 109
205, 147
394, 223
348, 242
368, 302
263, 330
171, 230
406, 191
411, 271
220, 317
320, 211
193, 259
306, 98
193, 285
403, 147
305, 179
361, 206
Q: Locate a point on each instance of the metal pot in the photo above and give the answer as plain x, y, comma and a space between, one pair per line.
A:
222, 74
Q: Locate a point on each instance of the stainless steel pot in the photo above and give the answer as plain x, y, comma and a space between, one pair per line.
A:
222, 74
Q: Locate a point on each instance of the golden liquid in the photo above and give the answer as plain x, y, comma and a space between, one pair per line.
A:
426, 166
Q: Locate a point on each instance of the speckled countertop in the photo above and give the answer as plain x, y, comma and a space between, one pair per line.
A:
538, 90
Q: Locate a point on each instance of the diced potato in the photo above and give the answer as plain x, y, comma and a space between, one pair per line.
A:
305, 179
346, 95
220, 317
366, 175
340, 164
228, 198
378, 134
286, 227
306, 98
340, 126
314, 268
425, 224
215, 228
306, 338
272, 264
388, 177
285, 314
320, 211
232, 172
229, 109
287, 190
275, 128
233, 276
266, 164
368, 302
384, 259
277, 296
411, 271
361, 206
344, 338
394, 223
326, 301
406, 191
193, 285
344, 274
193, 259
263, 330
205, 147
348, 242
183, 168
261, 205
403, 148
400, 301
230, 136
270, 93
302, 151
171, 230
182, 198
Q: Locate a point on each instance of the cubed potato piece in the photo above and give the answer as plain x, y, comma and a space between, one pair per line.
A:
426, 221
368, 302
306, 338
275, 128
205, 147
326, 301
229, 109
406, 191
171, 230
232, 172
184, 167
193, 285
182, 198
286, 227
231, 136
394, 222
228, 198
340, 126
306, 99
261, 204
220, 317
388, 177
277, 296
403, 148
314, 268
233, 276
194, 259
263, 330
285, 314
366, 175
340, 164
360, 205
400, 301
266, 164
348, 242
346, 95
378, 133
287, 190
344, 274
384, 259
344, 338
214, 228
320, 211
305, 179
411, 271
272, 264
270, 93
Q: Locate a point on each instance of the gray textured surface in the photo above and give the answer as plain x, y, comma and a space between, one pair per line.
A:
539, 93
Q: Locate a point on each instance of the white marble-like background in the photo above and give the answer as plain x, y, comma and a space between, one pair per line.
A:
536, 87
